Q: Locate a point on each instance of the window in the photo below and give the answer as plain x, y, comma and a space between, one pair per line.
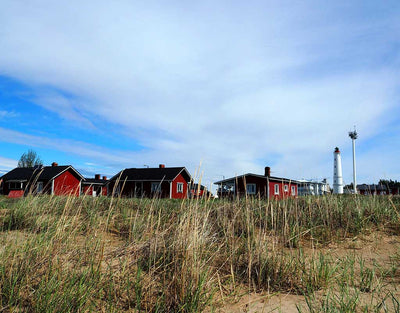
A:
293, 190
179, 187
276, 189
251, 189
39, 187
286, 188
155, 187
15, 185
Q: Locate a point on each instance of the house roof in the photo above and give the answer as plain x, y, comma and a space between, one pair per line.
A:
151, 174
18, 174
271, 178
39, 173
93, 181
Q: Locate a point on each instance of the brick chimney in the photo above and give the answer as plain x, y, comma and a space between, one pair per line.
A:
267, 171
161, 166
97, 176
54, 164
104, 177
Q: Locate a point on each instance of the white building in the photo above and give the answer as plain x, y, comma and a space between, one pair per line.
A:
337, 172
313, 187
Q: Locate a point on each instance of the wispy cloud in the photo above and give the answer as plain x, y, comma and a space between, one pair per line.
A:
80, 148
6, 164
236, 86
8, 114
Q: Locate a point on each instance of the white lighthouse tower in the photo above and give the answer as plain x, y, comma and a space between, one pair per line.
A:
337, 172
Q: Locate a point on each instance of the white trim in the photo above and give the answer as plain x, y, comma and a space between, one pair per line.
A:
170, 189
276, 190
183, 169
179, 187
68, 167
52, 187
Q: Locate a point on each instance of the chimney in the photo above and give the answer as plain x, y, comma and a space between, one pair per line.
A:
104, 177
267, 171
161, 166
54, 164
97, 176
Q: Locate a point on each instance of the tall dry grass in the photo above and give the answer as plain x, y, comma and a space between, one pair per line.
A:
67, 254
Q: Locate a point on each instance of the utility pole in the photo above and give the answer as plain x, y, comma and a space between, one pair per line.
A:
353, 135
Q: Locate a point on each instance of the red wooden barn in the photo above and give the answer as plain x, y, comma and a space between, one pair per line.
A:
265, 186
163, 182
95, 186
53, 180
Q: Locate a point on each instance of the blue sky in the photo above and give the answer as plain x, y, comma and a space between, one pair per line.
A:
221, 87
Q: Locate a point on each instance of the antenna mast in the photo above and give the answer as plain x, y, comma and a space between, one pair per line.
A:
353, 135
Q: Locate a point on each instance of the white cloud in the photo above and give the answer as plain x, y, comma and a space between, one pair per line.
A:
7, 114
7, 164
236, 86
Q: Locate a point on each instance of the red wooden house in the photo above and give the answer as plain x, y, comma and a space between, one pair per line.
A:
163, 182
265, 186
95, 186
53, 180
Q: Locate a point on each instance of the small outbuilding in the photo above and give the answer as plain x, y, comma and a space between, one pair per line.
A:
95, 187
198, 191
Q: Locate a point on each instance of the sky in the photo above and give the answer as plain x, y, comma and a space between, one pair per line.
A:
221, 87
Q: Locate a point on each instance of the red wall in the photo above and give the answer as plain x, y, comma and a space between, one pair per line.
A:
87, 190
66, 184
175, 193
197, 193
282, 194
16, 194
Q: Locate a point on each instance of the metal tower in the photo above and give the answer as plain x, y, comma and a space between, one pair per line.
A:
353, 135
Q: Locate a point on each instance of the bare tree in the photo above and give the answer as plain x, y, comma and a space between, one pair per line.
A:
29, 159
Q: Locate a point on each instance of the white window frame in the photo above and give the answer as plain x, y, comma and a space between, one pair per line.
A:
286, 188
251, 189
293, 190
276, 189
179, 187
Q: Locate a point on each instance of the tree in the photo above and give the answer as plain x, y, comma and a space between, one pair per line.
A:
29, 159
389, 183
